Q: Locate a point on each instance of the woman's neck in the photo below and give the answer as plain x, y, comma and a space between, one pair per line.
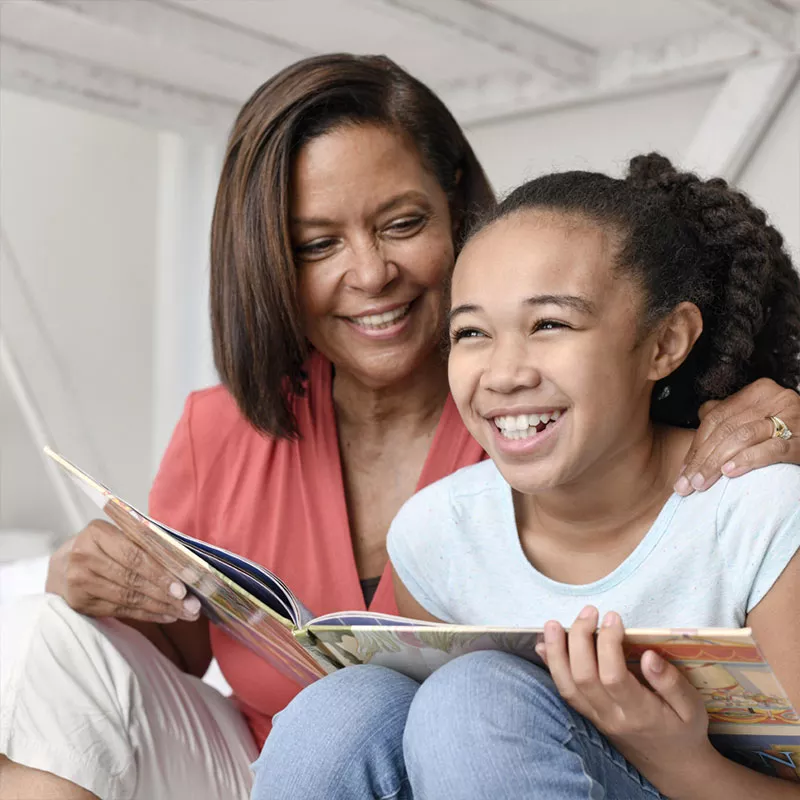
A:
611, 504
414, 402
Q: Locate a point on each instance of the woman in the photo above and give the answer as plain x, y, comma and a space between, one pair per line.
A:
344, 195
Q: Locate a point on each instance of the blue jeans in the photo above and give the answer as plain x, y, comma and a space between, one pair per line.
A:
486, 725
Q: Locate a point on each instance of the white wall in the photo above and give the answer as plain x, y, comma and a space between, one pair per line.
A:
77, 202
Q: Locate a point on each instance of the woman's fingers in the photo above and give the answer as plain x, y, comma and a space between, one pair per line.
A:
105, 598
733, 433
131, 567
103, 573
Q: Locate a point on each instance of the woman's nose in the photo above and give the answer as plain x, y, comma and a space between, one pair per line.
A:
370, 271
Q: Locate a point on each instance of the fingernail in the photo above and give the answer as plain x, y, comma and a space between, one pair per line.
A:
609, 619
698, 481
169, 618
682, 486
656, 663
191, 606
540, 649
728, 468
177, 590
586, 612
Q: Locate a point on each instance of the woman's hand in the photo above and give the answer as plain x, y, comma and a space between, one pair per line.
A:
663, 732
735, 435
102, 573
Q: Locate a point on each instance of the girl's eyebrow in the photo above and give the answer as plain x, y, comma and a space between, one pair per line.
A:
580, 304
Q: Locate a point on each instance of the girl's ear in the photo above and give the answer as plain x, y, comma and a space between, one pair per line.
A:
677, 334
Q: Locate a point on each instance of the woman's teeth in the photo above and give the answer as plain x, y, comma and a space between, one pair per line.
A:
525, 425
377, 321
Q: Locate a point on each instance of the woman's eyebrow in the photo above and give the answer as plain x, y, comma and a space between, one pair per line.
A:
320, 222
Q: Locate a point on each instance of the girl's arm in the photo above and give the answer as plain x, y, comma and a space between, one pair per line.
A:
407, 605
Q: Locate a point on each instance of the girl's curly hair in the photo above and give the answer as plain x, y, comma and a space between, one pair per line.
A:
686, 239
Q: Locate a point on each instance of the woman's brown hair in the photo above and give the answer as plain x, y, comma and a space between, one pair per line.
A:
259, 342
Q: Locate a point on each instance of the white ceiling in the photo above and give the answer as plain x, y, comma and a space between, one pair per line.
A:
191, 63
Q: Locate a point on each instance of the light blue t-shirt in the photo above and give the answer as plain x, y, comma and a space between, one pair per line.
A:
706, 562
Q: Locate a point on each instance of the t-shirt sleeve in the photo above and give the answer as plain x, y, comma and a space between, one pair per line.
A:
173, 496
418, 548
758, 524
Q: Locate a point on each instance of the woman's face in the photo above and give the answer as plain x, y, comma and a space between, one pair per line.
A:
373, 242
546, 364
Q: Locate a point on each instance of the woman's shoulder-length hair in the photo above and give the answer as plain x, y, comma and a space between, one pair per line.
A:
258, 337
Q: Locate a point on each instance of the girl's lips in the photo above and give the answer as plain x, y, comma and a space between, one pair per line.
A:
528, 445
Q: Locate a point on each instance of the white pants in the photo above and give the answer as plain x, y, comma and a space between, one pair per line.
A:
95, 702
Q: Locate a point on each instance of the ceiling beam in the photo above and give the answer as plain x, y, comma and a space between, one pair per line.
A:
554, 54
766, 22
170, 25
67, 80
676, 61
739, 116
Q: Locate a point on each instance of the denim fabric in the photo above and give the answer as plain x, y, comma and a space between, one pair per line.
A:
486, 725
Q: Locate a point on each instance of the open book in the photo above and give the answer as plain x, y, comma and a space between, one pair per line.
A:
750, 716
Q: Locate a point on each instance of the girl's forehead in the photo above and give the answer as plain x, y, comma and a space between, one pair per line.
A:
539, 246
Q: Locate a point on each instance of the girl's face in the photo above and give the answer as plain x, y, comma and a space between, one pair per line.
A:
373, 242
547, 366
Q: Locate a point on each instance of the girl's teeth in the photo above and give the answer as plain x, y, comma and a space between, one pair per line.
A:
382, 320
524, 425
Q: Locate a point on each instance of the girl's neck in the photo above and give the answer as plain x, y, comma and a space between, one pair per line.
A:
612, 503
414, 402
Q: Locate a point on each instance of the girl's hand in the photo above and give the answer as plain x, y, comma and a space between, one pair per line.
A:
102, 573
663, 732
735, 435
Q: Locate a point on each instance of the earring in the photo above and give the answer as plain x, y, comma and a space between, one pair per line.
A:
664, 393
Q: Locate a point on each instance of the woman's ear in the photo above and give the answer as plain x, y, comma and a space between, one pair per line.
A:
677, 334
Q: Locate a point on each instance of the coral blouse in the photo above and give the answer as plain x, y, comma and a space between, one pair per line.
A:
282, 504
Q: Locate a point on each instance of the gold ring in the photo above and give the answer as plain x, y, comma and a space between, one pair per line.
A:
780, 429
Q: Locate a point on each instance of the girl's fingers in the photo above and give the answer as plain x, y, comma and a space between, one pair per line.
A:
582, 654
615, 677
555, 639
672, 687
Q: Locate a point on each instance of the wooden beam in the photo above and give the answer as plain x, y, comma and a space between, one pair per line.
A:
739, 116
67, 80
768, 23
554, 54
655, 66
190, 29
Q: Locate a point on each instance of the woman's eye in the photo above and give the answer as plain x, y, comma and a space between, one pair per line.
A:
465, 333
405, 225
314, 249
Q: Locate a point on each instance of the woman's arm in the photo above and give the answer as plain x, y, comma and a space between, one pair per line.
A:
735, 435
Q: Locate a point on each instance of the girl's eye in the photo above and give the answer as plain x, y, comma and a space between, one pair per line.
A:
548, 325
465, 333
314, 249
406, 225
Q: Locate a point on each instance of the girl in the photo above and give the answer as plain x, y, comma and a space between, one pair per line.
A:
590, 318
